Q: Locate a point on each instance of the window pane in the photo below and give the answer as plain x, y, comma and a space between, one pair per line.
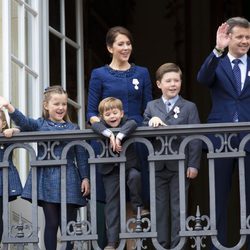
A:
14, 28
29, 39
70, 19
55, 60
54, 14
71, 72
14, 83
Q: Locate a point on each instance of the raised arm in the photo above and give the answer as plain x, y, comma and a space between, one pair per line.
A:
4, 103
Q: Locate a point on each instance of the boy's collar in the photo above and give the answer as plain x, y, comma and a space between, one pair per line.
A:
171, 100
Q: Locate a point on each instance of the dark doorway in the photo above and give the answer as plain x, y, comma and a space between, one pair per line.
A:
166, 31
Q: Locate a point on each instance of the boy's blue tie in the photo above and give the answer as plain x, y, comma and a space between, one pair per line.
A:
168, 104
237, 74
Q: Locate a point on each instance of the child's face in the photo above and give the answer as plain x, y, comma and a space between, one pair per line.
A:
113, 117
57, 107
170, 84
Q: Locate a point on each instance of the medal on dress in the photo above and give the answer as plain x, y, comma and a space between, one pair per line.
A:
136, 83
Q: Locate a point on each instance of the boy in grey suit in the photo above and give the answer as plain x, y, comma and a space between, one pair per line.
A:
112, 116
171, 109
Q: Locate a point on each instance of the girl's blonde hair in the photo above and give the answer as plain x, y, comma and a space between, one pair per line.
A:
48, 92
109, 103
4, 120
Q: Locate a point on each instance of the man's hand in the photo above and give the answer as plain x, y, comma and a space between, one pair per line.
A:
222, 37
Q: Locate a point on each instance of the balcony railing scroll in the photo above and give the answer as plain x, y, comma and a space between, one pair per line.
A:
195, 229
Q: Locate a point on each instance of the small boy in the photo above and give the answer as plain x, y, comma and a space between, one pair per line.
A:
112, 116
171, 109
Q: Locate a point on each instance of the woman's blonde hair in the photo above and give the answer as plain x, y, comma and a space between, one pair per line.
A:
4, 120
108, 104
48, 92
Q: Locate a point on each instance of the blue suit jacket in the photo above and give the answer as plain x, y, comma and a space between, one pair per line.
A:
216, 73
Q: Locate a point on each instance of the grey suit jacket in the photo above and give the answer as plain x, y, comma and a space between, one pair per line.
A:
127, 127
188, 115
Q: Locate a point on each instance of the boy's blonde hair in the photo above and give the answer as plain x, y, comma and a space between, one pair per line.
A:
4, 120
109, 103
48, 92
166, 68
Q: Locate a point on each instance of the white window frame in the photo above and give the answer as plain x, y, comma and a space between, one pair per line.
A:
78, 45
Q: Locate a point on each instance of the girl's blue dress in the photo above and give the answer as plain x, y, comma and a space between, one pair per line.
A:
15, 186
48, 178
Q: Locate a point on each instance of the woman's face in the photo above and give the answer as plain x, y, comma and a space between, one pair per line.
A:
121, 48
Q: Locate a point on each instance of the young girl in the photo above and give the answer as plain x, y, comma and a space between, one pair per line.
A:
55, 118
15, 186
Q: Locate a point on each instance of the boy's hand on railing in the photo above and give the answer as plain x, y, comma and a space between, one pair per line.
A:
156, 122
112, 141
118, 145
192, 172
85, 187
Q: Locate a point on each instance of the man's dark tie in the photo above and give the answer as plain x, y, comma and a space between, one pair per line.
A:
237, 74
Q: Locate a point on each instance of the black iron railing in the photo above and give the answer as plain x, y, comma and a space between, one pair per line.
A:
194, 229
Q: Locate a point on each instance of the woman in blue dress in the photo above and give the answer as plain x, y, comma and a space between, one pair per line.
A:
123, 80
55, 118
14, 183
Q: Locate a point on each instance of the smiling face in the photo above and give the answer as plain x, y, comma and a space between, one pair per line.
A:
170, 84
239, 43
121, 48
113, 117
56, 107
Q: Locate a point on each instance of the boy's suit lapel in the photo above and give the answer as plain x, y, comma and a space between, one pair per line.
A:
161, 106
178, 103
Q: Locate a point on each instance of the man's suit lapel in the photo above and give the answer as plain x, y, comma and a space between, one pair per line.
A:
227, 67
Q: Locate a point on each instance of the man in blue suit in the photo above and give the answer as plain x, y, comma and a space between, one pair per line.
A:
229, 83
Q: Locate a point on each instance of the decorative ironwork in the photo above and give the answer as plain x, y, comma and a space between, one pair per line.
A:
78, 227
49, 150
21, 229
198, 240
198, 227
